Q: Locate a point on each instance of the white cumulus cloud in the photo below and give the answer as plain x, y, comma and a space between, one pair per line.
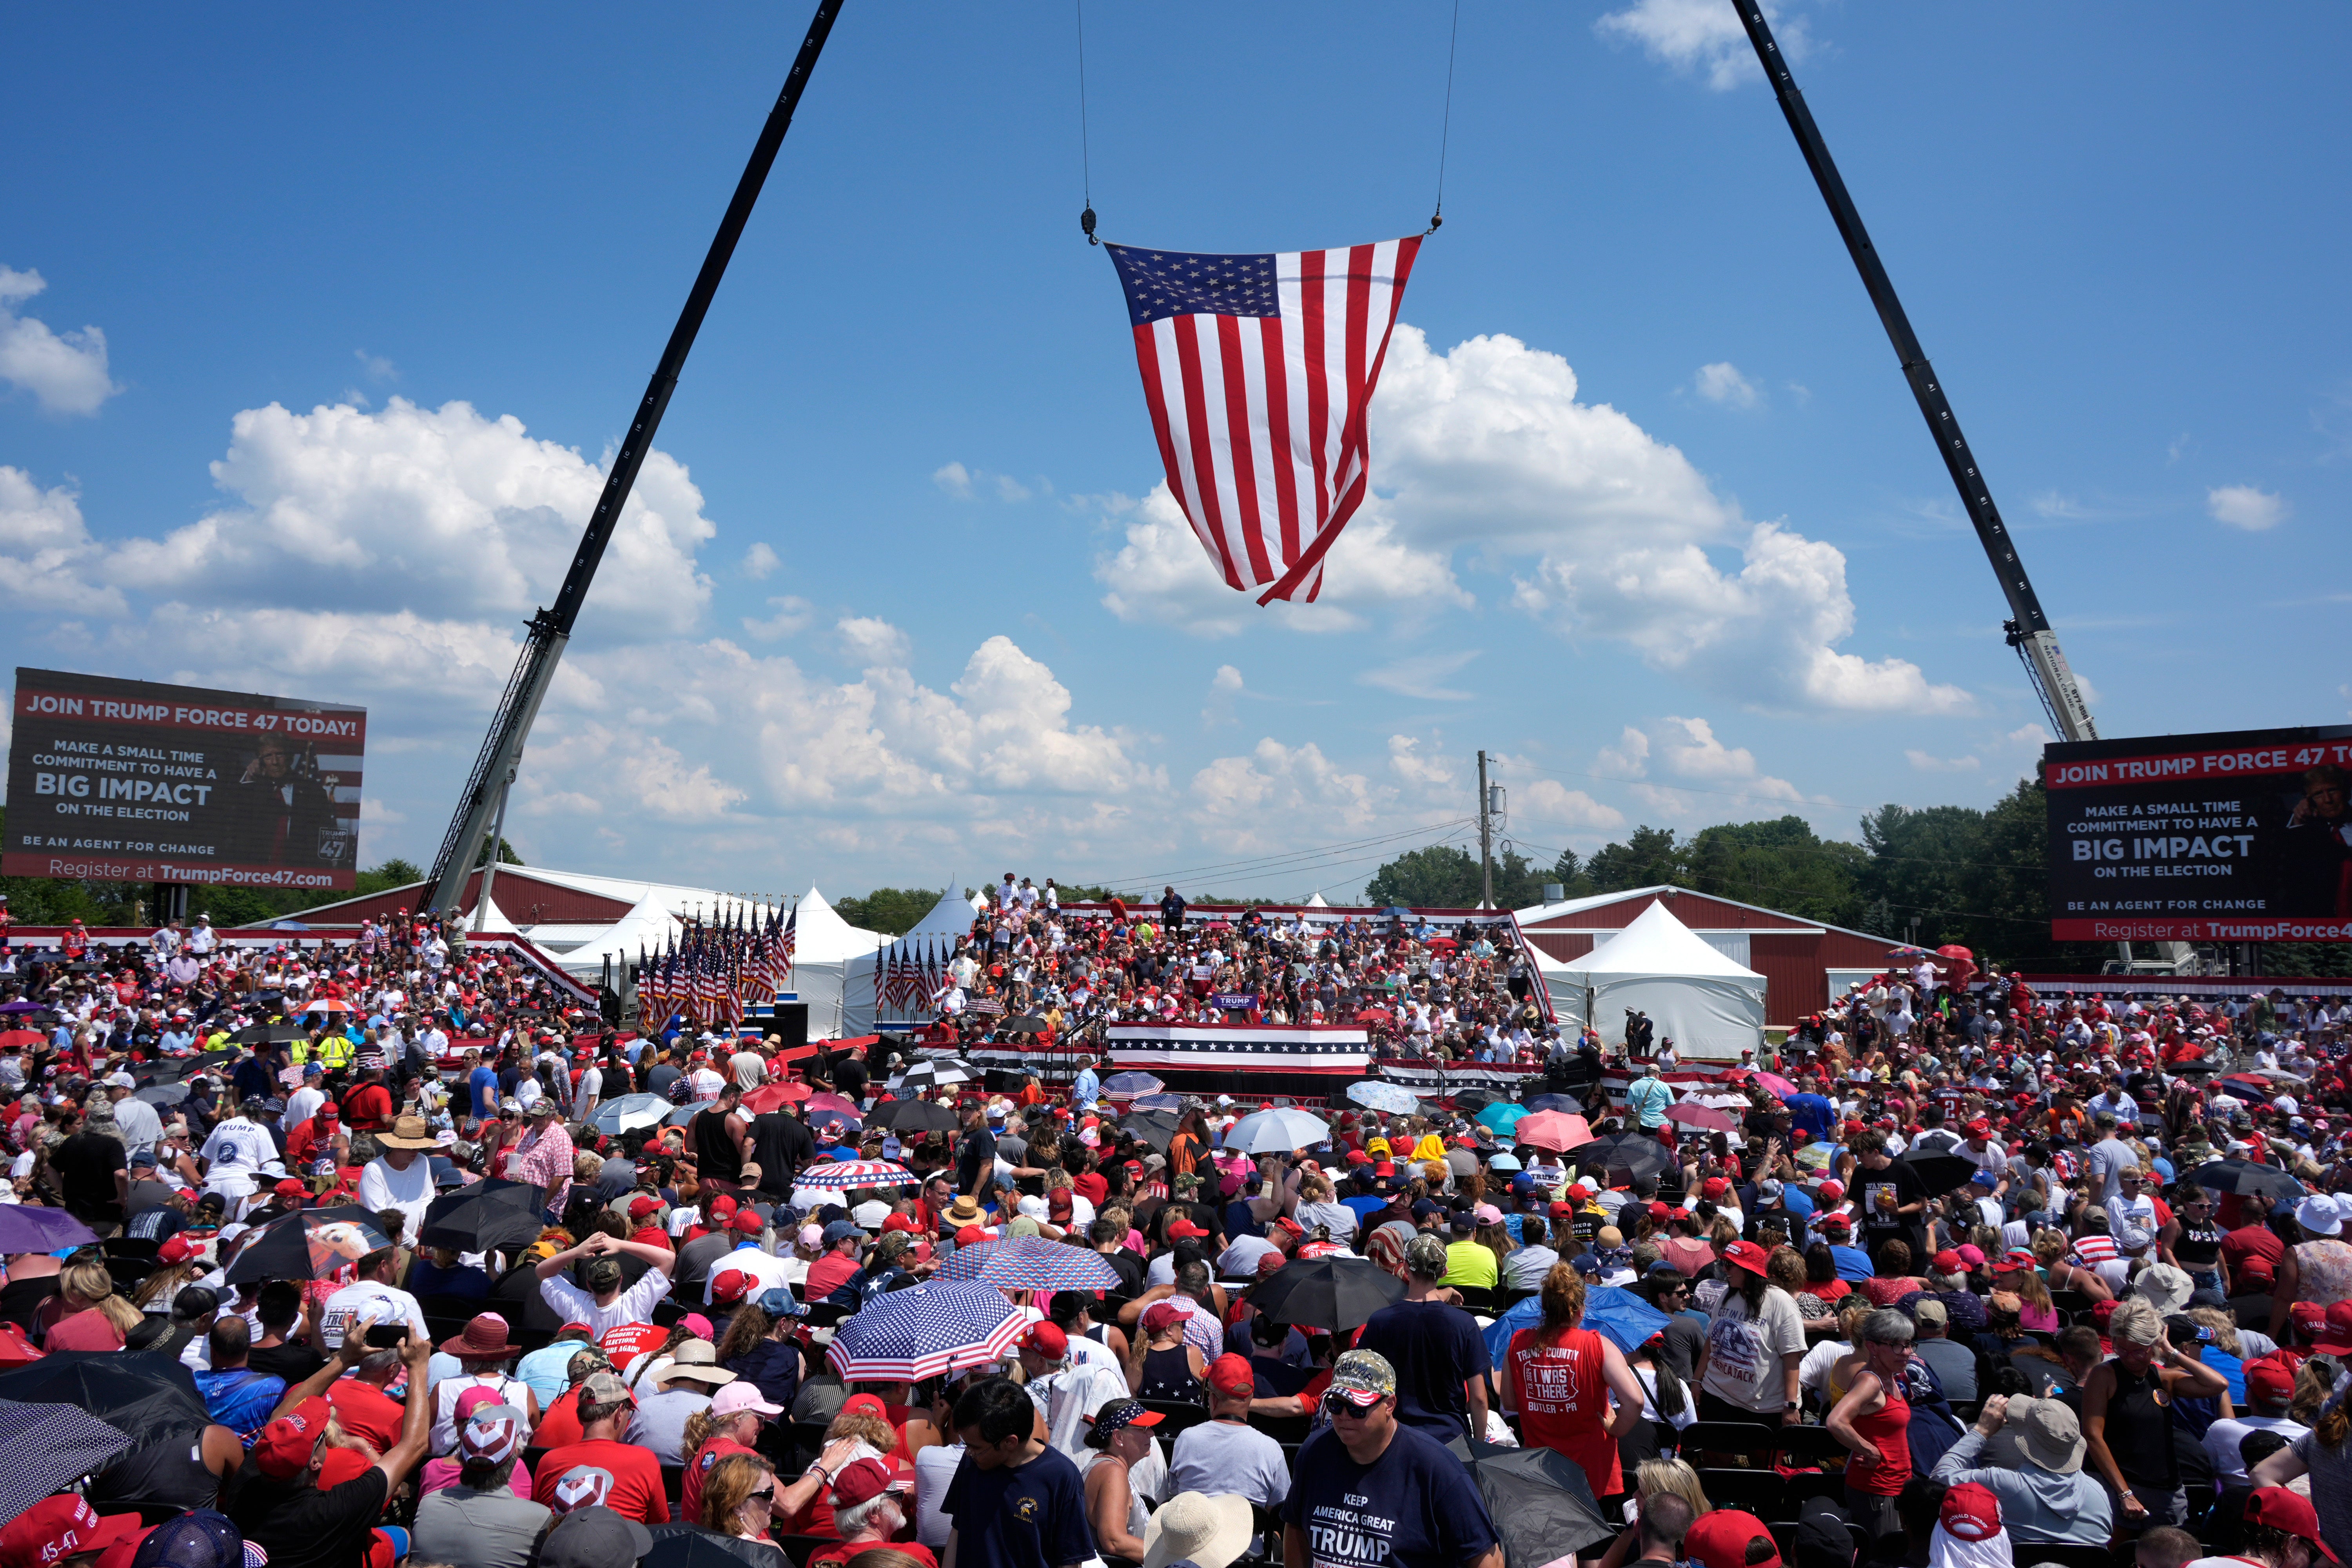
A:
1549, 800
1928, 762
47, 550
1701, 36
2247, 507
64, 371
1722, 383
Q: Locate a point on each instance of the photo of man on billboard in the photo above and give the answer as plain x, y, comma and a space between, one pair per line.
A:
2316, 847
285, 814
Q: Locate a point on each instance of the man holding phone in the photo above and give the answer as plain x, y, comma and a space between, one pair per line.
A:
283, 1508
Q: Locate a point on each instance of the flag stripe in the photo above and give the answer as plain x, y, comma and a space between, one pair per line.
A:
1209, 514
1238, 384
1274, 356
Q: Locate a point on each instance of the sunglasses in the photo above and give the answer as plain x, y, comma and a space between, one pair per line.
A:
1337, 1406
761, 1496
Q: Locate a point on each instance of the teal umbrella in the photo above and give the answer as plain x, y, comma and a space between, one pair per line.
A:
1503, 1115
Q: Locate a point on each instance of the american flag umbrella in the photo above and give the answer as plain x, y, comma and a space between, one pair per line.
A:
1123, 1084
1394, 1099
1032, 1263
50, 1448
842, 1176
905, 1336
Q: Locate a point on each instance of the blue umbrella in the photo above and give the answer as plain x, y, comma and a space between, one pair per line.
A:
1502, 1116
1123, 1083
1394, 1099
926, 1330
1620, 1314
26, 1227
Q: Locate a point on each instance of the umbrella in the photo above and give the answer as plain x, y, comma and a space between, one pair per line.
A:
1942, 1173
20, 1006
679, 1115
1032, 1263
1027, 1024
2241, 1176
26, 1229
1558, 1102
914, 1116
775, 1096
1398, 912
1693, 1115
1774, 1083
1541, 1504
1502, 1116
1157, 1128
630, 1113
11, 1039
485, 1217
1634, 1152
2247, 1083
50, 1446
1394, 1099
842, 1108
1473, 1099
1123, 1084
1156, 1103
678, 1544
936, 1074
846, 1175
310, 1245
161, 1093
1277, 1133
145, 1395
1610, 1310
906, 1336
1332, 1293
1554, 1130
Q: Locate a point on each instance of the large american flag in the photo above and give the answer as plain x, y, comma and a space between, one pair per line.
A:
1259, 369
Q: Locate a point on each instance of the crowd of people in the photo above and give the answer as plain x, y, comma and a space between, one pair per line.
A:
1462, 992
1952, 1275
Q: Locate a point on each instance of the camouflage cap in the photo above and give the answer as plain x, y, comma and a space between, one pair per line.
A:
1363, 1378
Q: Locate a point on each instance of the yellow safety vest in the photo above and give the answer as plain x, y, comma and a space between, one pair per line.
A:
299, 1050
335, 1050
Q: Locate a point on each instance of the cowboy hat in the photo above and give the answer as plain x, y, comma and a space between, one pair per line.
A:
409, 1132
697, 1359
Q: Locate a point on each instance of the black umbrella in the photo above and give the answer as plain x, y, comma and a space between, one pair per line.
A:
1025, 1025
2245, 1177
1541, 1504
1331, 1293
161, 1093
1635, 1152
682, 1545
143, 1394
1471, 1102
1558, 1102
485, 1217
913, 1116
50, 1446
309, 1245
1942, 1173
1157, 1128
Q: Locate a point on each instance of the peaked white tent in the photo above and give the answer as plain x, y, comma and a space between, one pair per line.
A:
924, 951
1708, 1004
1318, 902
646, 929
829, 955
494, 919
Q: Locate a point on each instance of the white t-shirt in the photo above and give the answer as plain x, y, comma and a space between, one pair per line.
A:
370, 1304
765, 1268
236, 1142
1743, 1354
410, 1191
634, 1305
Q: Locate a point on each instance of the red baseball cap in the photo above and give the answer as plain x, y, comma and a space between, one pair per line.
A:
60, 1527
1721, 1538
176, 1250
1160, 1316
1714, 1187
1046, 1340
1232, 1374
2282, 1510
865, 1405
1970, 1512
732, 1286
1832, 1190
643, 1205
900, 1222
1748, 1255
2272, 1379
721, 1206
2336, 1339
284, 1448
1184, 1229
749, 1222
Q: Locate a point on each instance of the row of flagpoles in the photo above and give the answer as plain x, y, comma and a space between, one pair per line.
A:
720, 964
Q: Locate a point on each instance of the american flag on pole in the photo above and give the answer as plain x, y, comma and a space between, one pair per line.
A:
790, 940
1259, 369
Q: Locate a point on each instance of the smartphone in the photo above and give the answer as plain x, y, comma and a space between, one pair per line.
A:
386, 1336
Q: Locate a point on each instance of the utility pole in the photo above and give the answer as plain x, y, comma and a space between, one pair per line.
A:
1485, 840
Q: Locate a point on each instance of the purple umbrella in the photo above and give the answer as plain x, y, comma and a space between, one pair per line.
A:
26, 1229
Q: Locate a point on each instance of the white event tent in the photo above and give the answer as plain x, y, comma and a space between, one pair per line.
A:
1708, 1004
925, 949
831, 960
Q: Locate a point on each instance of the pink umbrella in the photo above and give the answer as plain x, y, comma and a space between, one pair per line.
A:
835, 1103
1694, 1115
1553, 1130
1776, 1083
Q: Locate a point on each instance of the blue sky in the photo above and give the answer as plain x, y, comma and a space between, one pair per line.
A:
336, 313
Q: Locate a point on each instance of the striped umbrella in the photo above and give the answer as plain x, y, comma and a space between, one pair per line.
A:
1393, 1098
905, 1336
1032, 1263
50, 1446
842, 1176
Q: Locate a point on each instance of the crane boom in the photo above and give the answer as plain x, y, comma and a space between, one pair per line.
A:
551, 629
2027, 628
